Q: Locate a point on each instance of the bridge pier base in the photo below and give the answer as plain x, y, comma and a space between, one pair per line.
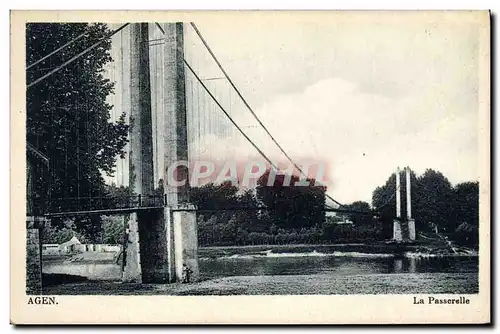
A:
411, 229
162, 245
396, 232
34, 228
131, 254
185, 242
155, 244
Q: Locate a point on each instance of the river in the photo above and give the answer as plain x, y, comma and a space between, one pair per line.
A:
332, 264
315, 271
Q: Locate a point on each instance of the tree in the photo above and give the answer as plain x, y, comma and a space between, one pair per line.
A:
113, 230
68, 118
434, 201
384, 197
251, 219
466, 202
359, 219
241, 236
119, 197
221, 221
214, 196
292, 206
328, 231
466, 213
61, 233
467, 235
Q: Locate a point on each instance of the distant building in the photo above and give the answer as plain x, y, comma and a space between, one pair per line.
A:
338, 219
330, 214
345, 221
75, 246
50, 249
69, 246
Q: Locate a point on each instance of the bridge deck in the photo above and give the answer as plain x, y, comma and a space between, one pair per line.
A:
120, 211
101, 212
78, 206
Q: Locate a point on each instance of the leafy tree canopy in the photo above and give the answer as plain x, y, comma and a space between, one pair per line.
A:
292, 206
434, 200
359, 219
68, 118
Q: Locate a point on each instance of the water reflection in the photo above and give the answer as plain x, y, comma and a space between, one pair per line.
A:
412, 265
222, 267
94, 271
398, 265
307, 265
406, 265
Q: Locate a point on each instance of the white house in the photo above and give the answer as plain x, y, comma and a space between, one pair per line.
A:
75, 246
69, 246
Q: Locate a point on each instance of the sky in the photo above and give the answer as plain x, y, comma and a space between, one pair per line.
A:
362, 96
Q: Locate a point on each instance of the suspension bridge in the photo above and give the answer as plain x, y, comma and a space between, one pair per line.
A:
181, 105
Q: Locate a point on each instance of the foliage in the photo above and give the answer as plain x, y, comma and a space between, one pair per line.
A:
466, 202
68, 118
61, 233
214, 196
263, 227
434, 200
467, 235
112, 232
356, 218
384, 200
292, 206
117, 196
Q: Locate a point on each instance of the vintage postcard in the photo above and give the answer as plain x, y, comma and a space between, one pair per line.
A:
320, 167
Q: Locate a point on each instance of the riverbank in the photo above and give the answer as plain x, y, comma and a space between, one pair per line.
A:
429, 246
416, 283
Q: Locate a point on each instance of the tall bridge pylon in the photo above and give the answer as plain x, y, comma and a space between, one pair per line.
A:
161, 242
160, 87
399, 222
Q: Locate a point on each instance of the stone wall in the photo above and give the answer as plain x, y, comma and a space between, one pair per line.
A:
33, 262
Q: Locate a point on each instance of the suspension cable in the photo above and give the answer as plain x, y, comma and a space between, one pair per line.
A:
228, 116
57, 50
250, 108
87, 50
390, 198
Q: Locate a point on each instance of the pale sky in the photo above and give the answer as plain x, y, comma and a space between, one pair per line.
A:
364, 98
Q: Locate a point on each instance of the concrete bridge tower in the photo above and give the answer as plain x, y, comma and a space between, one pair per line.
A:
161, 243
396, 232
410, 220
